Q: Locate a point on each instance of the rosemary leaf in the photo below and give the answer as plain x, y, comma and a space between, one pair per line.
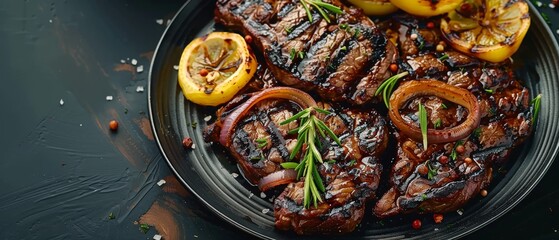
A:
328, 6
289, 165
423, 124
536, 102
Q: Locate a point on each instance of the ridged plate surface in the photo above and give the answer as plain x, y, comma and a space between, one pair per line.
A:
210, 174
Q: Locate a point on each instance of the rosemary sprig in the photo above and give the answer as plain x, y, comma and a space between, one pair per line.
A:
432, 171
423, 124
536, 103
309, 132
320, 6
388, 86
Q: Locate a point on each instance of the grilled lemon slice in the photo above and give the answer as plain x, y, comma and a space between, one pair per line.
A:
212, 69
426, 8
491, 30
375, 7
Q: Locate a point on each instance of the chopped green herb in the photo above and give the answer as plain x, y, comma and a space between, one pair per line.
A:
332, 161
352, 162
489, 91
301, 54
343, 26
262, 142
438, 123
536, 102
356, 32
111, 216
476, 133
144, 228
344, 48
194, 125
423, 197
444, 106
310, 130
421, 45
292, 54
423, 124
546, 18
387, 86
453, 153
444, 57
288, 30
432, 172
381, 222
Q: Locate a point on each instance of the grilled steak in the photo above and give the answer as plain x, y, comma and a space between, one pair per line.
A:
350, 173
345, 60
446, 176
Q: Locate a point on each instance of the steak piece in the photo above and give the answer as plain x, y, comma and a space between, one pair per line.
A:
446, 176
350, 173
345, 60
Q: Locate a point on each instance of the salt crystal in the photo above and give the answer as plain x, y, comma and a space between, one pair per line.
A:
265, 210
196, 236
262, 195
50, 20
109, 98
235, 175
539, 4
176, 67
140, 68
436, 229
81, 124
161, 182
168, 22
557, 32
122, 61
134, 61
208, 118
61, 102
551, 5
156, 237
251, 195
140, 89
193, 146
459, 212
159, 21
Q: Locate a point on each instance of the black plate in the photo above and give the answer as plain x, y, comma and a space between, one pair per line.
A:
208, 172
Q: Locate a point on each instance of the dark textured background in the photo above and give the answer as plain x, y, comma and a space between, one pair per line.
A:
63, 172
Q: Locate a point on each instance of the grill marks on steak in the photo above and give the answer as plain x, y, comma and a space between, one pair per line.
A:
422, 180
342, 61
351, 172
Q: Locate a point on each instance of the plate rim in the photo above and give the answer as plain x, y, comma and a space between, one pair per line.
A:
555, 153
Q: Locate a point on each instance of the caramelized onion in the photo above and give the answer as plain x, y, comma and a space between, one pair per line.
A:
412, 89
301, 98
274, 179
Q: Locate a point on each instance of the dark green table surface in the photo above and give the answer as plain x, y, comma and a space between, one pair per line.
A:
63, 172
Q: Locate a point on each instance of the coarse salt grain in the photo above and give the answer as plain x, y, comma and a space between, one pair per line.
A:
262, 195
140, 68
50, 20
122, 61
251, 195
235, 175
265, 210
168, 22
156, 237
459, 212
193, 146
557, 31
109, 98
159, 21
134, 61
161, 182
61, 102
208, 118
176, 67
551, 5
140, 89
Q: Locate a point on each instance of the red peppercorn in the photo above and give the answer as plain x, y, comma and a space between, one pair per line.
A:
416, 224
187, 143
438, 218
248, 39
468, 160
423, 170
443, 159
460, 149
113, 125
483, 193
394, 67
430, 25
204, 72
